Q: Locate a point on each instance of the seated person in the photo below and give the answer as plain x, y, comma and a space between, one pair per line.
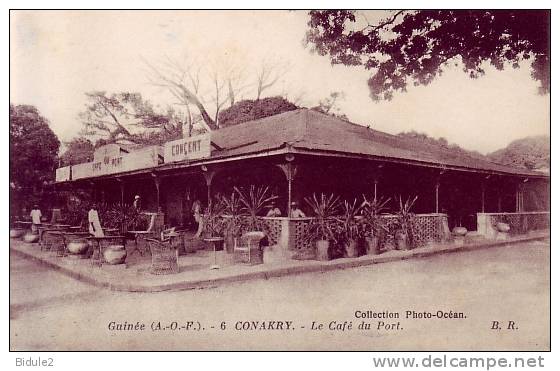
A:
274, 210
295, 211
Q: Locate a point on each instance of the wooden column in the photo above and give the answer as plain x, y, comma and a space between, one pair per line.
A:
437, 196
483, 190
121, 186
208, 176
157, 182
519, 207
290, 171
376, 175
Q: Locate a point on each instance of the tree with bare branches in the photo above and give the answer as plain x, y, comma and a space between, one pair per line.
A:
212, 86
127, 117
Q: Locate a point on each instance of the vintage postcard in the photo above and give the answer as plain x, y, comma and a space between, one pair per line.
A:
251, 180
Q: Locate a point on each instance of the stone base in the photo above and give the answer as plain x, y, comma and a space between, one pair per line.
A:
114, 267
458, 240
501, 236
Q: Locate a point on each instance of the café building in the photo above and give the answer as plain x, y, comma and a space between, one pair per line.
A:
301, 152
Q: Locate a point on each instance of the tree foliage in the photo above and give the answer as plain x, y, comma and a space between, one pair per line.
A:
329, 105
440, 142
531, 153
78, 150
414, 46
247, 110
33, 153
128, 117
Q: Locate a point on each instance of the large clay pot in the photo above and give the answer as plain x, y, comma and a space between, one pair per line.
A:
502, 227
114, 254
323, 250
16, 233
459, 231
77, 247
31, 237
372, 245
351, 248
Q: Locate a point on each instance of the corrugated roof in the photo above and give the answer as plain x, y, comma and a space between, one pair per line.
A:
311, 130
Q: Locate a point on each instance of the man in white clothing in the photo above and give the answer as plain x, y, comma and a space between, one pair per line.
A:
35, 218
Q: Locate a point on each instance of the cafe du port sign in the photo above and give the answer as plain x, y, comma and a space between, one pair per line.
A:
188, 148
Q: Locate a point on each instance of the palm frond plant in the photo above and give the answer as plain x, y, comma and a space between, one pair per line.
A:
321, 231
232, 220
349, 228
404, 231
212, 219
373, 227
253, 202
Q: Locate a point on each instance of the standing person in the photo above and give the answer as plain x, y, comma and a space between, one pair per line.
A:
136, 203
93, 222
197, 213
295, 211
35, 218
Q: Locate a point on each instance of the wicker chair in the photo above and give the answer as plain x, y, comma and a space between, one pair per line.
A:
249, 250
165, 255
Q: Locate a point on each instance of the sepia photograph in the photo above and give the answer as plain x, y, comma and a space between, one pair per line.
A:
279, 180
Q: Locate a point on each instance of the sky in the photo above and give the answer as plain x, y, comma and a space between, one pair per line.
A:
57, 56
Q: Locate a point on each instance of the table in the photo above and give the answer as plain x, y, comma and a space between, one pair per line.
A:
215, 241
45, 229
137, 234
97, 242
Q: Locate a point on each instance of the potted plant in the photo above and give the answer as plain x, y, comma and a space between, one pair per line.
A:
403, 232
321, 231
213, 223
348, 228
253, 202
212, 218
372, 225
231, 220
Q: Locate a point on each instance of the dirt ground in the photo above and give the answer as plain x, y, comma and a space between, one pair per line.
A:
487, 288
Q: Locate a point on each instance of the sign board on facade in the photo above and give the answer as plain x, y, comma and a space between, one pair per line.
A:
63, 174
113, 160
81, 171
188, 148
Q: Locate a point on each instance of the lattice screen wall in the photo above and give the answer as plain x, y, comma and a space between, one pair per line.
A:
522, 222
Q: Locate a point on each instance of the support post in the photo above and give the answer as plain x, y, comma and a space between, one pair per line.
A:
157, 184
483, 197
121, 187
437, 197
438, 181
208, 176
289, 170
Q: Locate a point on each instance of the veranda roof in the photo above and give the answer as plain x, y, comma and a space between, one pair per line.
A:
312, 132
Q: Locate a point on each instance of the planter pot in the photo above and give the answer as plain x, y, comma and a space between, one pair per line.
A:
372, 245
114, 254
351, 249
229, 243
16, 233
77, 247
400, 241
31, 237
323, 250
459, 231
503, 227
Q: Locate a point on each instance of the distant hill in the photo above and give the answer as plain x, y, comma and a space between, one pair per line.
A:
529, 153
